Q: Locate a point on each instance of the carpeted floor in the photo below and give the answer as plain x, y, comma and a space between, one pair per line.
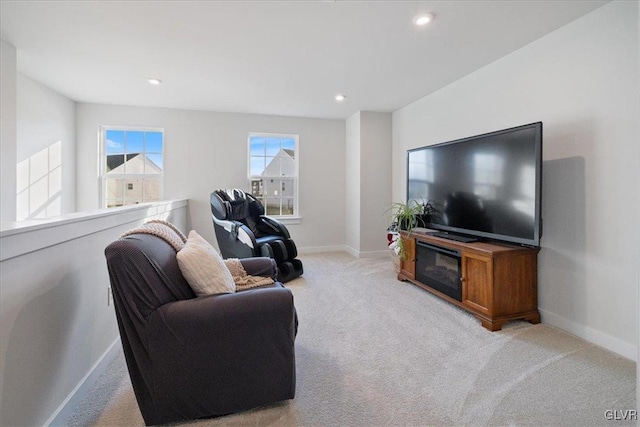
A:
373, 351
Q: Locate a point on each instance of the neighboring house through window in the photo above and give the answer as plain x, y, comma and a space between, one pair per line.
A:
131, 166
273, 172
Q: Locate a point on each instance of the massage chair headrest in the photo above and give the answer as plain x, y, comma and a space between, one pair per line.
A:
234, 204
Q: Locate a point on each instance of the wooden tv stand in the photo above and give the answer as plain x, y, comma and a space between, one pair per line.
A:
499, 281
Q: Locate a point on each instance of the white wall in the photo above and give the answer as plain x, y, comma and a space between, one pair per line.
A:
375, 188
205, 151
638, 231
8, 89
45, 128
54, 319
352, 184
582, 82
368, 183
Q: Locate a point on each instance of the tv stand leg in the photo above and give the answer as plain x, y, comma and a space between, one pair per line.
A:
497, 324
492, 326
533, 318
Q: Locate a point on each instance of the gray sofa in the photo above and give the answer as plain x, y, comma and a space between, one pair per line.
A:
190, 357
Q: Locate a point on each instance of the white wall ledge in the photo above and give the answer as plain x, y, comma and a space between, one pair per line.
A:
55, 303
21, 237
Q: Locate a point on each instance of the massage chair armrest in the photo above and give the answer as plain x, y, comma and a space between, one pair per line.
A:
275, 225
237, 231
260, 266
245, 235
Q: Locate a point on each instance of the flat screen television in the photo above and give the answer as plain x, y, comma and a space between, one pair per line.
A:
482, 187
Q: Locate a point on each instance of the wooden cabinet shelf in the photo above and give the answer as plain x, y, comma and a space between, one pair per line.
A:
498, 281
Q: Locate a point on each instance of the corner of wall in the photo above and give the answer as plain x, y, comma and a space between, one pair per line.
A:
8, 131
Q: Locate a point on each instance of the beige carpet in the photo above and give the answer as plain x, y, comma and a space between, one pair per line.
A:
372, 351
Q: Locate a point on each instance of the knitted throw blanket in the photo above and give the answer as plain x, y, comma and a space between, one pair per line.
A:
163, 229
173, 236
242, 279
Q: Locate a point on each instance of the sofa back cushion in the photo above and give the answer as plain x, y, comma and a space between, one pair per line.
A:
144, 275
204, 268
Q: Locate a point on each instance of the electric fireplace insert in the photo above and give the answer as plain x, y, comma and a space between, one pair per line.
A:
439, 268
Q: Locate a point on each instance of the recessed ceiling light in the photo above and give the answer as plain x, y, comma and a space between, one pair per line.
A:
340, 97
423, 19
154, 82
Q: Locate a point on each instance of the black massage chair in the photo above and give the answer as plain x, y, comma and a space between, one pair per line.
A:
243, 231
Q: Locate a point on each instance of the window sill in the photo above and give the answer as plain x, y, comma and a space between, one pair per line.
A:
287, 220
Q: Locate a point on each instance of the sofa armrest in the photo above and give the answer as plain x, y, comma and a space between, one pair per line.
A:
260, 266
252, 310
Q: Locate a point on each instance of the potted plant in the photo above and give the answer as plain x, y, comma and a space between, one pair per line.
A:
404, 216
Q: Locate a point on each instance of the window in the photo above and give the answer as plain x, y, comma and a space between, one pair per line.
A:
131, 166
273, 172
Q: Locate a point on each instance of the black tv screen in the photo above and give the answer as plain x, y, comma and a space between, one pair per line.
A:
487, 186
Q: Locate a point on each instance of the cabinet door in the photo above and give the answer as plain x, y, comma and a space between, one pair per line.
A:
477, 284
408, 264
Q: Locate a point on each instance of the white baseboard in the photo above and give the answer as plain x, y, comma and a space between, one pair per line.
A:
614, 344
321, 249
344, 248
368, 254
352, 251
67, 407
385, 253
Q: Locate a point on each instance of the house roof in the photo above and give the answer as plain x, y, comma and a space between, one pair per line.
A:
115, 160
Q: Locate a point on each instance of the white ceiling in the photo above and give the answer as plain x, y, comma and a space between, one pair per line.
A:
268, 57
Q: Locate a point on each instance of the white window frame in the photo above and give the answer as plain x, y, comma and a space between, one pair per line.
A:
286, 219
102, 160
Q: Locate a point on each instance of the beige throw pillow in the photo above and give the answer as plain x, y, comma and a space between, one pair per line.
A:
203, 267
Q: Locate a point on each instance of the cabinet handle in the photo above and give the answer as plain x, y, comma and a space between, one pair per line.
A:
462, 279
